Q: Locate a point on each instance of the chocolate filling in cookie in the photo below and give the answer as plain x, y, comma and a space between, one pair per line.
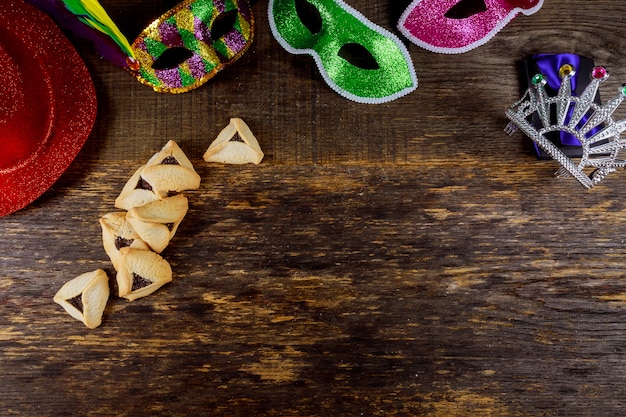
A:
139, 282
237, 138
170, 160
77, 302
143, 185
120, 242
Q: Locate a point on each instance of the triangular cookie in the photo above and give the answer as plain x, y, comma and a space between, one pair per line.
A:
137, 192
156, 235
118, 233
168, 179
85, 297
171, 154
142, 273
168, 210
235, 144
156, 222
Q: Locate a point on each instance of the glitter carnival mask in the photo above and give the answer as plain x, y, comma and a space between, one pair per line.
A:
358, 59
453, 26
178, 52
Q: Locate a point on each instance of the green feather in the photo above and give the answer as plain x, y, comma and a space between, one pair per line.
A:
91, 13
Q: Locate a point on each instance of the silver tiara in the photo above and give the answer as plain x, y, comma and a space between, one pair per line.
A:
590, 123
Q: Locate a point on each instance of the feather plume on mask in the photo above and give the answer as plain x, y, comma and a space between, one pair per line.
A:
88, 19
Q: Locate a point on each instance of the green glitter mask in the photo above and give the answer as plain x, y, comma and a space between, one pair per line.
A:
358, 59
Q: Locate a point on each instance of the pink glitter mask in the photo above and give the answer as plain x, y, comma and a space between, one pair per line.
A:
453, 26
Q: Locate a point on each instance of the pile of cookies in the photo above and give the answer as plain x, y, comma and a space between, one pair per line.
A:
154, 207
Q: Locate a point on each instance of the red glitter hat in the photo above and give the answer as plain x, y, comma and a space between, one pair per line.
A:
47, 104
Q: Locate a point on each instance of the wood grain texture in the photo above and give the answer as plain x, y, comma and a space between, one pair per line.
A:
405, 259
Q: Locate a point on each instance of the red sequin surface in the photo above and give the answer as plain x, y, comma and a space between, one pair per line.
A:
47, 104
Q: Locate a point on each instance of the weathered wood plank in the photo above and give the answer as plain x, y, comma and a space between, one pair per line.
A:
404, 259
361, 289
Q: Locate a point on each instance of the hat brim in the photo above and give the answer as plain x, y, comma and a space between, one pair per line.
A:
48, 104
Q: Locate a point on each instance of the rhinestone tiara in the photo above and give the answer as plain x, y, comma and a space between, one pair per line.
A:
592, 124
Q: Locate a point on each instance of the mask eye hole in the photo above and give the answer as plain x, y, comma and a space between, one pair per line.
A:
172, 58
466, 8
309, 16
357, 55
223, 24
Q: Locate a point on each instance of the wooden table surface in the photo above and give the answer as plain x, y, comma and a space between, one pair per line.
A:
402, 259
